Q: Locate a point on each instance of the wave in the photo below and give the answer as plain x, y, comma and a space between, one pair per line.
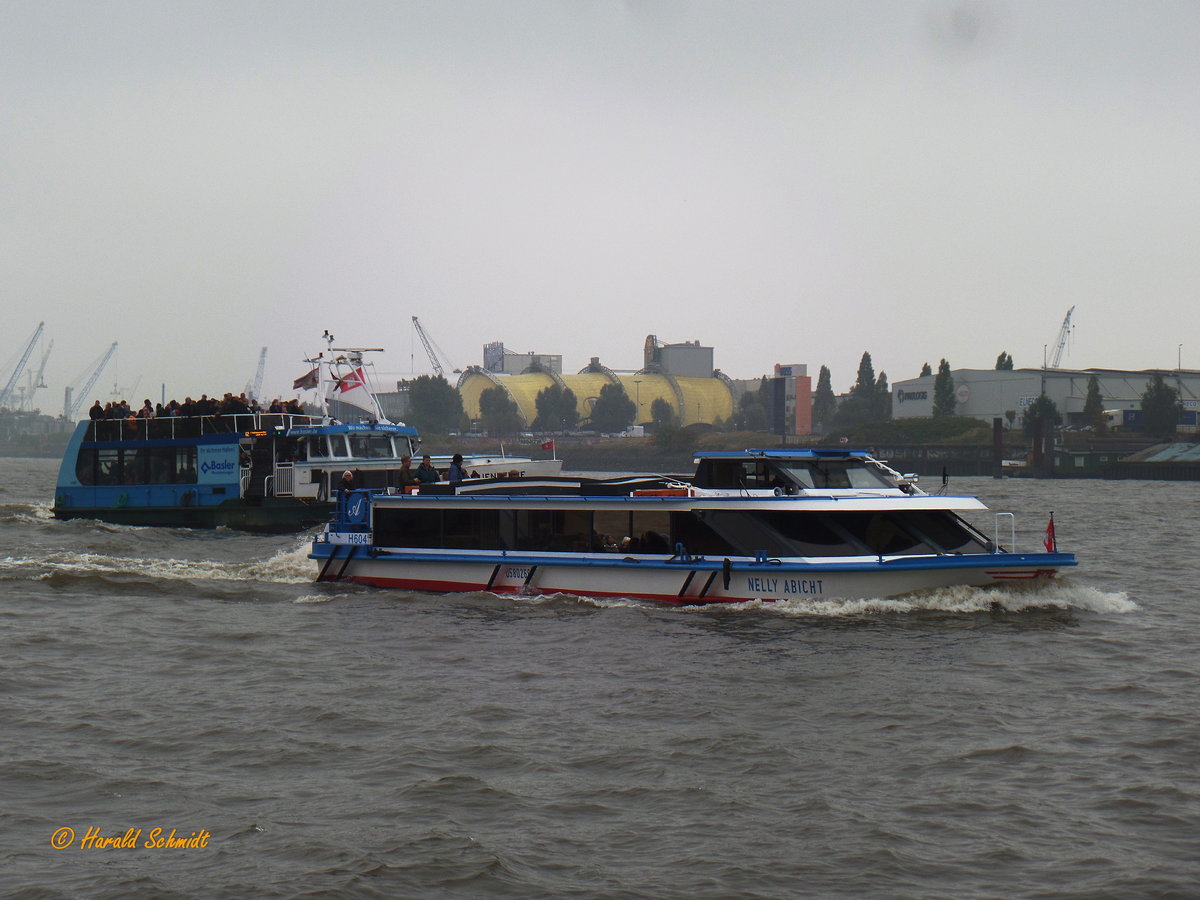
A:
1061, 595
289, 566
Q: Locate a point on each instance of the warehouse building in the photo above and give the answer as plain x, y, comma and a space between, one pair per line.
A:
1005, 394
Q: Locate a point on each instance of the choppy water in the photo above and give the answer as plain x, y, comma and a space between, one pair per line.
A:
353, 742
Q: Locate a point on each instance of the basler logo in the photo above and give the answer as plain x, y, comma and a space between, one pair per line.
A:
217, 466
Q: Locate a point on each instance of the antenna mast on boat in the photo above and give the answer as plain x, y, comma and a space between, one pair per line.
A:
342, 369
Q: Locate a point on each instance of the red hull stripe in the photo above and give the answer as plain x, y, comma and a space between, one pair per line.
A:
461, 587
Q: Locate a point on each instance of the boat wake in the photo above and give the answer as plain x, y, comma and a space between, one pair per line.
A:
289, 566
1062, 595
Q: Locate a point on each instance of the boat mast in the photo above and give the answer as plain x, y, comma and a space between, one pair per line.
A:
338, 363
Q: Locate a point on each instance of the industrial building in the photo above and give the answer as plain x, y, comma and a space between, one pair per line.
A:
1005, 394
682, 375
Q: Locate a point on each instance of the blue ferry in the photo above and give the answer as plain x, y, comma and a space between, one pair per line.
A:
255, 472
271, 472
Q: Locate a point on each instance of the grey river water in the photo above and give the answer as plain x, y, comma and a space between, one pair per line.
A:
324, 740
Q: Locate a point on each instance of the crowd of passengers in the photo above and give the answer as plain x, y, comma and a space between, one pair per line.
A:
205, 406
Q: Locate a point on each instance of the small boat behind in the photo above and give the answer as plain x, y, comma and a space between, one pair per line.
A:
772, 525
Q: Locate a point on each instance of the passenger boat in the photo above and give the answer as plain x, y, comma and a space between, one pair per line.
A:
770, 525
272, 472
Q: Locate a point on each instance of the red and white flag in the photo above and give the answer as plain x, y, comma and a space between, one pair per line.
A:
1049, 540
356, 379
352, 389
548, 445
307, 380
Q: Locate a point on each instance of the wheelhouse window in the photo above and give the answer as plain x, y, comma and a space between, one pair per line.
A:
839, 473
371, 446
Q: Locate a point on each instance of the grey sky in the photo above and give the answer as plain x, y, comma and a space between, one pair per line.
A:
788, 182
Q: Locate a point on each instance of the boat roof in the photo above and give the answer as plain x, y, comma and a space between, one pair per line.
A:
784, 453
351, 428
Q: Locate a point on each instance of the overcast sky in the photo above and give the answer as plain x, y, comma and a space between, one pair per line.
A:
790, 182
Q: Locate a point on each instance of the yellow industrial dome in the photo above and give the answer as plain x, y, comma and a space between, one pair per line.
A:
694, 400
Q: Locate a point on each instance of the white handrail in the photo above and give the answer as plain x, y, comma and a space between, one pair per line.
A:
1012, 524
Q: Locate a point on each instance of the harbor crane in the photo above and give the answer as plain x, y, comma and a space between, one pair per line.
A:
254, 388
38, 381
71, 403
427, 342
16, 374
1063, 334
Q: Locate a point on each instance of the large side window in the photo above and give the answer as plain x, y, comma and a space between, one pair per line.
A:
85, 466
408, 527
108, 466
134, 466
185, 465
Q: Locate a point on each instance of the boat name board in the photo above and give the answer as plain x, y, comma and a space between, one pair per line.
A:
354, 538
785, 587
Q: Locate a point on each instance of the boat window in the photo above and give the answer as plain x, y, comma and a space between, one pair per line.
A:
108, 466
337, 446
314, 448
651, 529
398, 527
553, 529
85, 466
469, 529
616, 524
371, 446
134, 466
836, 473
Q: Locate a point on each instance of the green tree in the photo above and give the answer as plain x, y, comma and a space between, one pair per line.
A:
751, 415
662, 414
864, 387
926, 369
557, 409
499, 413
883, 398
824, 402
1161, 409
612, 410
1041, 410
1004, 362
943, 391
1093, 406
433, 405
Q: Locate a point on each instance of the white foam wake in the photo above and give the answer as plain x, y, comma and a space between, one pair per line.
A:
285, 567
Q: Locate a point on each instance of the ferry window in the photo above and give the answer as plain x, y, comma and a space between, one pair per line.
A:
651, 529
316, 448
185, 465
615, 523
134, 466
397, 527
337, 446
554, 530
85, 466
699, 539
946, 531
108, 466
811, 534
370, 446
838, 474
748, 533
468, 529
